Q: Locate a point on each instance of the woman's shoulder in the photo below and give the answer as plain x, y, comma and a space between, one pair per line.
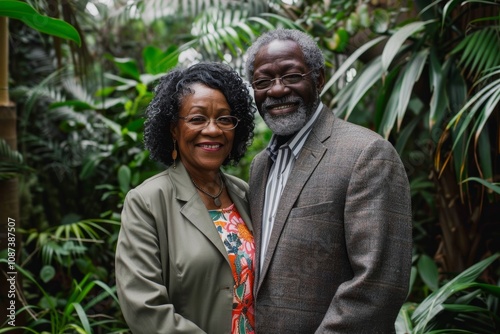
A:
153, 183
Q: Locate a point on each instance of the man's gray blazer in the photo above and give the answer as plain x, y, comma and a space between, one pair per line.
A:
339, 255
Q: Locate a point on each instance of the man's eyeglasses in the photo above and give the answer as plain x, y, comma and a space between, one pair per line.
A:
287, 79
200, 122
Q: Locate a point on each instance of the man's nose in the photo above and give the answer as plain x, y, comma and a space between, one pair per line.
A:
277, 87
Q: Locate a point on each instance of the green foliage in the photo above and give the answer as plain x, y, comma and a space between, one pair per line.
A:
11, 162
74, 312
462, 305
82, 140
262, 135
45, 24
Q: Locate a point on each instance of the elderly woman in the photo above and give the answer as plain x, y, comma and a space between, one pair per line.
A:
185, 253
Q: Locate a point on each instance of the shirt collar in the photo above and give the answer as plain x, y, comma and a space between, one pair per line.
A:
296, 142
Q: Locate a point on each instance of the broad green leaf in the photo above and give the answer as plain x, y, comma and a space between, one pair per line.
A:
493, 186
390, 113
428, 271
397, 40
349, 61
381, 20
107, 290
405, 134
45, 24
411, 74
490, 106
484, 149
438, 99
464, 308
262, 22
124, 175
83, 317
433, 304
127, 67
403, 323
47, 273
77, 105
447, 9
289, 24
384, 97
364, 81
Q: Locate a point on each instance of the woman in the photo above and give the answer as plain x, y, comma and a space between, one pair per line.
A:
185, 253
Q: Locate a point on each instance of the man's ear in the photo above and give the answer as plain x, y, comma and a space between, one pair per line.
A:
321, 80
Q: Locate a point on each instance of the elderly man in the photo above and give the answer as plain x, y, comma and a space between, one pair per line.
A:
330, 202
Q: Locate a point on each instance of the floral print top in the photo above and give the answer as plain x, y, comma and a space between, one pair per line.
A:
240, 248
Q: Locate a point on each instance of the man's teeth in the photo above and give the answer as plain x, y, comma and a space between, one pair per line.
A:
283, 107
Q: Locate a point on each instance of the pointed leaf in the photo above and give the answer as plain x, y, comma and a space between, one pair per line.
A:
366, 79
438, 98
124, 176
45, 24
47, 273
433, 304
397, 40
428, 271
411, 74
349, 61
493, 186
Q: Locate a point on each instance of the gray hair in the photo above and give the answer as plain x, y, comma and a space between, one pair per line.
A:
313, 56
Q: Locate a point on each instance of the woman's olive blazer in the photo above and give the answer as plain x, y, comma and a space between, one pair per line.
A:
172, 269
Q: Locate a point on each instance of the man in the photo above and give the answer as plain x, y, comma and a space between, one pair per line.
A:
330, 203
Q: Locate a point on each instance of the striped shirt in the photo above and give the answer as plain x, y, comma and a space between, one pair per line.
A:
283, 161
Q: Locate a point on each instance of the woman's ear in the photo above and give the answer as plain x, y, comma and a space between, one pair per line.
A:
173, 131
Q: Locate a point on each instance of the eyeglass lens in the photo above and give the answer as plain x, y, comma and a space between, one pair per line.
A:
201, 121
287, 79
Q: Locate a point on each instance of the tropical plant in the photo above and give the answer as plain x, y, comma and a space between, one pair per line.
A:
438, 74
464, 304
78, 312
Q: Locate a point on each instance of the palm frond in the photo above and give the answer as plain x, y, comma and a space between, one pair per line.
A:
479, 51
158, 8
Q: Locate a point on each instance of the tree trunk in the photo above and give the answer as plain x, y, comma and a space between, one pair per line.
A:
10, 238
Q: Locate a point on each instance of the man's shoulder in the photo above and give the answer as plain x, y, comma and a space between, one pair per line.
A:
349, 130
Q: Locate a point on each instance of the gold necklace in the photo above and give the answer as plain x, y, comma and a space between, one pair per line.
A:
216, 199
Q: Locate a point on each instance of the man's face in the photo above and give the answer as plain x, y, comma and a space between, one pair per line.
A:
285, 109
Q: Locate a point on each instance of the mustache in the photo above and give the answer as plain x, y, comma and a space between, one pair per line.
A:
270, 101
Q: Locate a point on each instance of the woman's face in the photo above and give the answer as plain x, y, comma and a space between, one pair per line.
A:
206, 149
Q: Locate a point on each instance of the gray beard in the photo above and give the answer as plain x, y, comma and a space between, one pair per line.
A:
288, 124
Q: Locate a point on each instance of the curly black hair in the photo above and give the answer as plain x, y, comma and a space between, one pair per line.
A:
166, 104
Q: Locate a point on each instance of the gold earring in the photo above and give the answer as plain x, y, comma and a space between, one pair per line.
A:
174, 152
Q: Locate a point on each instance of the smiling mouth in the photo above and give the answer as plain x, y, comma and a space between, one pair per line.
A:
282, 108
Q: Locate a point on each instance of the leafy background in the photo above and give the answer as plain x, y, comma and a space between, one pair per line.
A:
424, 74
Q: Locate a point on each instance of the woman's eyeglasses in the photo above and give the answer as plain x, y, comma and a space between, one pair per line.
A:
287, 79
200, 122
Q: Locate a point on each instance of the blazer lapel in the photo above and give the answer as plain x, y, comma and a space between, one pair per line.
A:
193, 209
259, 171
309, 158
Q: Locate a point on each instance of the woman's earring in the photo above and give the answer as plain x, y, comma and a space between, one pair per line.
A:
174, 152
